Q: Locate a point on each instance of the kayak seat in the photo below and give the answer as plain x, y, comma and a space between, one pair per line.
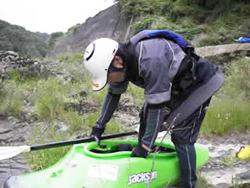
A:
166, 150
124, 147
127, 147
119, 147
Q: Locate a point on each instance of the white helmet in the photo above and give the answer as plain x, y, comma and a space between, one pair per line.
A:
97, 59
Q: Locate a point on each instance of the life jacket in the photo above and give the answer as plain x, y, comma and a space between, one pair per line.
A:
186, 75
170, 35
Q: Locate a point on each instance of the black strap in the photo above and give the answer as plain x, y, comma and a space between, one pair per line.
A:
194, 100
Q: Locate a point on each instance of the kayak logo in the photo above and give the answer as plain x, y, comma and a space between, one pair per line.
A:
142, 177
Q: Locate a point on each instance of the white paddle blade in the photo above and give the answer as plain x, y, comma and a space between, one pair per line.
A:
7, 152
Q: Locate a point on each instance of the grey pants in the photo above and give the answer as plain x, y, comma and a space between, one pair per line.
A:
184, 137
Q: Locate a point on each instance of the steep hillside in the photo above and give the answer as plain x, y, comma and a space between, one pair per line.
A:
108, 23
26, 43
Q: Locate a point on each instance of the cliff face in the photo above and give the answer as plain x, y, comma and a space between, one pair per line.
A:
108, 23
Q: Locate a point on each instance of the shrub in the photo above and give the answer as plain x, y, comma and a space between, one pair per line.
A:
144, 23
42, 159
137, 94
229, 109
111, 127
12, 98
75, 121
51, 95
70, 58
226, 115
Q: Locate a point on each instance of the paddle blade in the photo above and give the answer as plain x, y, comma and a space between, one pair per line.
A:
7, 152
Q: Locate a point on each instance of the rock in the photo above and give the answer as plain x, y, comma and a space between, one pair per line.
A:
4, 130
82, 93
10, 61
221, 49
83, 106
223, 185
244, 175
82, 135
126, 105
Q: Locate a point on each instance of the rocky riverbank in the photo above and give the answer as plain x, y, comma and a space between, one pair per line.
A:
13, 133
222, 170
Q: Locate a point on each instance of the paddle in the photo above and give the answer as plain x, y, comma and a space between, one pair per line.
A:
7, 152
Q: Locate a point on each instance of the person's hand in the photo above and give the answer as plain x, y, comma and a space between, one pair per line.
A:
140, 151
96, 133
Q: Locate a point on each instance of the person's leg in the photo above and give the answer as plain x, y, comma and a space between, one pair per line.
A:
187, 160
184, 136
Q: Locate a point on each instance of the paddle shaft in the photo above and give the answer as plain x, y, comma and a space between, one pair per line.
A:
78, 141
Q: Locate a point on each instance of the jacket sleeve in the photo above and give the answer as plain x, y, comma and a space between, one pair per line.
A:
159, 61
110, 104
154, 63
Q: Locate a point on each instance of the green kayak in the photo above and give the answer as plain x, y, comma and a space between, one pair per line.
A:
90, 166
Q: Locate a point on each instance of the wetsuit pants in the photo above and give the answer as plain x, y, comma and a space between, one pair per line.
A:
184, 137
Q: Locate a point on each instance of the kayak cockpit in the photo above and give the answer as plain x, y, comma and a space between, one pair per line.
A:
121, 149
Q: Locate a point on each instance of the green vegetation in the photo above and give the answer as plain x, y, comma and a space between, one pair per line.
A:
53, 38
236, 183
70, 58
73, 29
54, 98
26, 43
12, 98
229, 109
202, 182
44, 158
220, 22
50, 98
136, 94
229, 161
